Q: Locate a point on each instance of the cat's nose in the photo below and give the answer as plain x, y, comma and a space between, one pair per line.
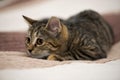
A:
30, 51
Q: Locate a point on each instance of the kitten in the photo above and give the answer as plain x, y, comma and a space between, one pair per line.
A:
85, 36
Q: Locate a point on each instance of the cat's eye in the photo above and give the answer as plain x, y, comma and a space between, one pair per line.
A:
39, 41
27, 40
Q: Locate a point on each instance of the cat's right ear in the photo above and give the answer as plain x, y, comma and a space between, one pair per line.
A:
29, 20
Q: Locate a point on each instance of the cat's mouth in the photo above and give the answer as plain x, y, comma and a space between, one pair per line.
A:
43, 55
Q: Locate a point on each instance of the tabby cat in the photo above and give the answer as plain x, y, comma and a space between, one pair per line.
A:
85, 36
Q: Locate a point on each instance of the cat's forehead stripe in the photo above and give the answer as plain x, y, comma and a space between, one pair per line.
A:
34, 41
35, 34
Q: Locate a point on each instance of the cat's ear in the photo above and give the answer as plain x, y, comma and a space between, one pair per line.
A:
53, 26
29, 20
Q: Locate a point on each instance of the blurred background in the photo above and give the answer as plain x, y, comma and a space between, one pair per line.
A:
11, 11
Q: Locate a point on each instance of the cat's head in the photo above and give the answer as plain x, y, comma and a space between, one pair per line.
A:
45, 36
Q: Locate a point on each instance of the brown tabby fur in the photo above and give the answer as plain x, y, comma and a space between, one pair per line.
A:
85, 36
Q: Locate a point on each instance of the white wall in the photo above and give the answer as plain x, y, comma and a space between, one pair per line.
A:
12, 20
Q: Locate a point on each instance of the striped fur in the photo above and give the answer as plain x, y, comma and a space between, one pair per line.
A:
85, 36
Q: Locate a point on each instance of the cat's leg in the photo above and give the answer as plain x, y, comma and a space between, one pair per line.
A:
91, 48
94, 51
55, 57
94, 55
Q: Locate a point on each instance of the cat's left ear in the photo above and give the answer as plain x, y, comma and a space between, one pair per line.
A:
54, 26
29, 20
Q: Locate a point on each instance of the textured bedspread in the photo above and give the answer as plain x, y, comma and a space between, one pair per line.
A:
19, 60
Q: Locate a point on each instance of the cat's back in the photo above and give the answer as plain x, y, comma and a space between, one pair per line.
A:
91, 23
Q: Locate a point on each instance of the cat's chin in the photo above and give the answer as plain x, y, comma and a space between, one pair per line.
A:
39, 56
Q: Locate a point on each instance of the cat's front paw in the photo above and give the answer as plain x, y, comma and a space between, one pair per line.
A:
55, 57
51, 57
